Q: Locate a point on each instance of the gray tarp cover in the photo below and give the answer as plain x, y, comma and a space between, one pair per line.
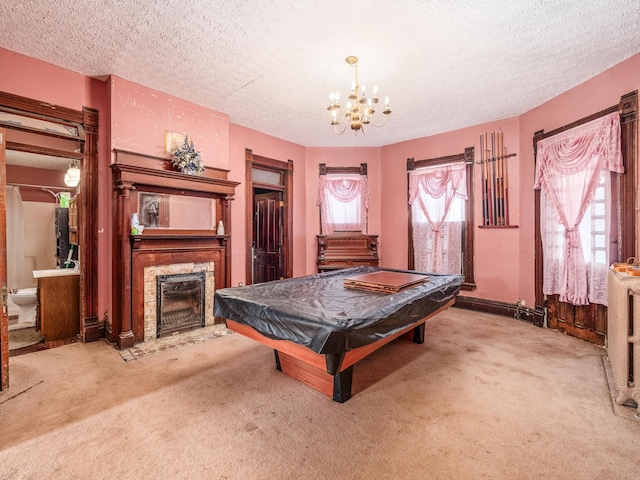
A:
317, 311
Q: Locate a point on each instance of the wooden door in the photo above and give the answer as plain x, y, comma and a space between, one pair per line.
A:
4, 315
267, 242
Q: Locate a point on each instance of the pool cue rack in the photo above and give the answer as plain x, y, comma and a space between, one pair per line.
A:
495, 180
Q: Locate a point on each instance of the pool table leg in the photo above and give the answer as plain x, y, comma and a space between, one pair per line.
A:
278, 366
342, 385
418, 334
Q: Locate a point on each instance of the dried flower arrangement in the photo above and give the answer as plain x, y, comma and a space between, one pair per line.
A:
186, 158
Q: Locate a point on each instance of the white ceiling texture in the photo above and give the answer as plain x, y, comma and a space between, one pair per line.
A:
270, 65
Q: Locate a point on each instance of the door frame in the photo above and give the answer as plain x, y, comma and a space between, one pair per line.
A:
627, 107
4, 313
285, 169
88, 204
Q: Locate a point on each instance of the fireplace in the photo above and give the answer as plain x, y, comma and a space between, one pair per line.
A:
178, 297
174, 248
180, 302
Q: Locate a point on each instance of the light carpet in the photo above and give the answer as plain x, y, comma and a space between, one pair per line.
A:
484, 397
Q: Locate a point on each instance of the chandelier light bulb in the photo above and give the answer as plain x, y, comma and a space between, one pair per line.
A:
72, 177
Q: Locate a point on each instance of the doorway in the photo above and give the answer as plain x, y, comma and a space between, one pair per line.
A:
31, 142
269, 220
267, 242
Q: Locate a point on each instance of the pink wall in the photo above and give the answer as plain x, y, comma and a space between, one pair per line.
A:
241, 138
140, 117
504, 259
496, 250
134, 117
32, 78
340, 157
598, 93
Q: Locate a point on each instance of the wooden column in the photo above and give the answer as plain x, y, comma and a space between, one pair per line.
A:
125, 338
88, 230
225, 241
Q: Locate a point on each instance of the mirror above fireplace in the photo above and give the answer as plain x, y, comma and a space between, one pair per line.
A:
176, 211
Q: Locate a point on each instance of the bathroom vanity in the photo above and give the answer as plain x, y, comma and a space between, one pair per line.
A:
58, 311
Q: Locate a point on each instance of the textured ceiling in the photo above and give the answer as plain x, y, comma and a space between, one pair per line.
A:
270, 65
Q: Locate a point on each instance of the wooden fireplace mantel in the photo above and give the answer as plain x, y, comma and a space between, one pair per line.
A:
133, 172
141, 169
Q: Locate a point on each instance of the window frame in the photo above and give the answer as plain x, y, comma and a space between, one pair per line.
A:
625, 185
468, 231
361, 170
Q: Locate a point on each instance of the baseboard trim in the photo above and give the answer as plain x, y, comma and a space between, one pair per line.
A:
91, 329
534, 316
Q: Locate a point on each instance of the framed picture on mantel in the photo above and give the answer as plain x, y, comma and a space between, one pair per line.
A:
171, 141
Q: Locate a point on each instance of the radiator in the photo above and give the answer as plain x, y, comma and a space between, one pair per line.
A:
623, 336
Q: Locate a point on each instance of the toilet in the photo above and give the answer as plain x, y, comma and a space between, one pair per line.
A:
25, 299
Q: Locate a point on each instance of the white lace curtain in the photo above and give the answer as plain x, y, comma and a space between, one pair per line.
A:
15, 238
344, 202
569, 168
437, 235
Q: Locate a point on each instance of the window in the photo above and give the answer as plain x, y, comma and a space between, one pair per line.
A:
573, 175
440, 197
593, 233
437, 240
343, 198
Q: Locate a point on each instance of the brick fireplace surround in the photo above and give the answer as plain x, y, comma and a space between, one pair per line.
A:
151, 274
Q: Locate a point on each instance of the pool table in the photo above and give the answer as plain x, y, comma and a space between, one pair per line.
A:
319, 329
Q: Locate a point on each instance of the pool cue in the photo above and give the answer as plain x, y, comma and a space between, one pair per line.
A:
506, 189
485, 215
488, 187
496, 164
504, 181
500, 161
493, 179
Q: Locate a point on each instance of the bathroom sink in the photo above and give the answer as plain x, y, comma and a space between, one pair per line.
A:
55, 272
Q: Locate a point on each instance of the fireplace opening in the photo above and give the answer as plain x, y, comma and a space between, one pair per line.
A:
180, 300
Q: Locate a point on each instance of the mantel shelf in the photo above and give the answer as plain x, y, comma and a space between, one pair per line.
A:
179, 234
184, 239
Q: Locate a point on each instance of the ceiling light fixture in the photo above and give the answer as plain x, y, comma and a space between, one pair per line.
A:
360, 109
72, 177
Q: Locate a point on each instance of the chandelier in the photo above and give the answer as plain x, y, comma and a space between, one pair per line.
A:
359, 111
